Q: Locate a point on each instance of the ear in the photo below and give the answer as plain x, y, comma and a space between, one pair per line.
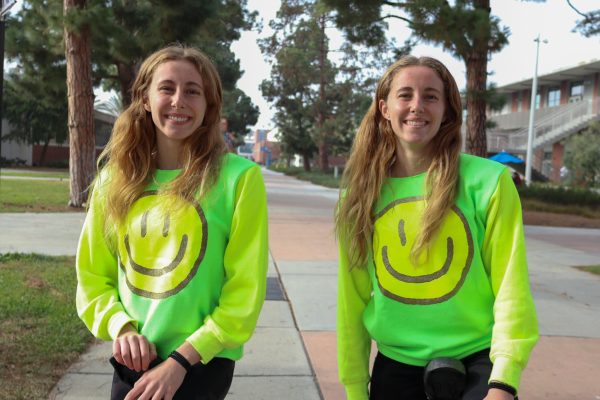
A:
383, 109
146, 105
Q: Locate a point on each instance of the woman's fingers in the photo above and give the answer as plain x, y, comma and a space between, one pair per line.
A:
135, 343
134, 351
144, 348
116, 350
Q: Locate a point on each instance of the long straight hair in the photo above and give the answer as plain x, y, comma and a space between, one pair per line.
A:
129, 155
373, 154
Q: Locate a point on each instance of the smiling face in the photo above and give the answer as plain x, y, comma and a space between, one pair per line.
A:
160, 253
415, 106
176, 101
436, 278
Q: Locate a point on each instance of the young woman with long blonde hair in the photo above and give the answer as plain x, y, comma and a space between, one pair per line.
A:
172, 258
432, 255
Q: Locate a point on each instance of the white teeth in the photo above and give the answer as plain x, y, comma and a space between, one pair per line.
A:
177, 119
415, 123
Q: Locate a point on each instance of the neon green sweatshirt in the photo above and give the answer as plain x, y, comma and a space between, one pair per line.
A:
469, 293
193, 273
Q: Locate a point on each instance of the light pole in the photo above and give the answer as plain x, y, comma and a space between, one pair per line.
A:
529, 159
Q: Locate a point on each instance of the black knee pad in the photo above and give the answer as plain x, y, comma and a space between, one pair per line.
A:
445, 379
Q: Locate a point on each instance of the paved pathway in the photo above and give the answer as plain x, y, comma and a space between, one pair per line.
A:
292, 355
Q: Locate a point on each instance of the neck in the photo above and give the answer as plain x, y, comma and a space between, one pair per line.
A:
410, 163
167, 156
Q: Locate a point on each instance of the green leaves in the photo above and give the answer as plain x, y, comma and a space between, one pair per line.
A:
582, 157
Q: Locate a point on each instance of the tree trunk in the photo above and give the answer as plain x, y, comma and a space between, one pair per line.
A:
476, 63
323, 147
126, 73
44, 151
476, 86
306, 162
81, 106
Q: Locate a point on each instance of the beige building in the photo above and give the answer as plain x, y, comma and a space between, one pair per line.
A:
56, 154
566, 102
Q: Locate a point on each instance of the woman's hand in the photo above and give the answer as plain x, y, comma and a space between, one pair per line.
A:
498, 394
133, 350
161, 382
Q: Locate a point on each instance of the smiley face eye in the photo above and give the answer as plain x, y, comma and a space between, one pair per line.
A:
401, 232
144, 224
165, 230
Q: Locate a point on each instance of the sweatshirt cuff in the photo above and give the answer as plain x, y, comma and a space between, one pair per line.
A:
205, 343
357, 391
506, 371
117, 322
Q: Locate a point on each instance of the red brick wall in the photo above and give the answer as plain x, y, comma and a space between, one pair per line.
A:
53, 154
558, 150
564, 92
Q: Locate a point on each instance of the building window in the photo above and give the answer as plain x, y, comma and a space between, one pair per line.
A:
538, 101
577, 89
553, 97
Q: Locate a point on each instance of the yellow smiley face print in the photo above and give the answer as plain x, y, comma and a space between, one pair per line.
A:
441, 270
160, 253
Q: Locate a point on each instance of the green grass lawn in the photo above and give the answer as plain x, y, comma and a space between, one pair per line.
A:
594, 269
40, 333
36, 174
529, 204
25, 195
538, 205
316, 177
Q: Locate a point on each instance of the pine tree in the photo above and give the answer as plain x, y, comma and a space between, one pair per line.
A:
466, 29
35, 99
80, 98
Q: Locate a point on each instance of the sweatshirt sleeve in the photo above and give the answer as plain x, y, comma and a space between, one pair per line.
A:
515, 329
353, 340
97, 297
245, 261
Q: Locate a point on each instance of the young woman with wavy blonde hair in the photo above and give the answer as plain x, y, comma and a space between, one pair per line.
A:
172, 258
432, 258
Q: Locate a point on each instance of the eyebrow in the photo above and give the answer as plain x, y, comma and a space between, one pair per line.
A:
188, 83
408, 88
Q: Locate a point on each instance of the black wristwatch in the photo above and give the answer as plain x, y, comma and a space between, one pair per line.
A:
175, 355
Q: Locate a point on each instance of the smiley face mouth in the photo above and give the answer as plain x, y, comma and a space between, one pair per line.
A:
420, 278
157, 271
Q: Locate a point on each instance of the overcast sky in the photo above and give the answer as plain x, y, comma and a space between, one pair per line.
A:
552, 20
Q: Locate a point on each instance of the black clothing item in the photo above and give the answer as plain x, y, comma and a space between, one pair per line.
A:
203, 382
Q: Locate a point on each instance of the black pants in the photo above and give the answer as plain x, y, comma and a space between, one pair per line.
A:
203, 382
393, 380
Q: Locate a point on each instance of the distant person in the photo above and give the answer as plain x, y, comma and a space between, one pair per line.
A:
227, 136
432, 255
516, 177
172, 259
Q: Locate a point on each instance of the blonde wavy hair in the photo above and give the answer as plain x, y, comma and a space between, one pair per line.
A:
373, 154
129, 158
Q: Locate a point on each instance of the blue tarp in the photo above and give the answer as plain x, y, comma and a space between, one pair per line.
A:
506, 158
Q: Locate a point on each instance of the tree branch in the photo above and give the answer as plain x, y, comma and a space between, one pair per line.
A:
576, 10
394, 3
394, 16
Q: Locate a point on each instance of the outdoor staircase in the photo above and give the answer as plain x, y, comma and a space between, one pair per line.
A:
550, 128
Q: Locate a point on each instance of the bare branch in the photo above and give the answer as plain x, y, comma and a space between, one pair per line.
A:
394, 3
394, 16
576, 10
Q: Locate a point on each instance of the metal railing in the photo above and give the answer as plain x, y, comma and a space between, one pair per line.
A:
566, 120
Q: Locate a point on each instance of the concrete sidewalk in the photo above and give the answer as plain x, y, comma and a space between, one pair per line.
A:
292, 354
274, 366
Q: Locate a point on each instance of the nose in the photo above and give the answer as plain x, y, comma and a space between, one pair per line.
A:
416, 106
177, 99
